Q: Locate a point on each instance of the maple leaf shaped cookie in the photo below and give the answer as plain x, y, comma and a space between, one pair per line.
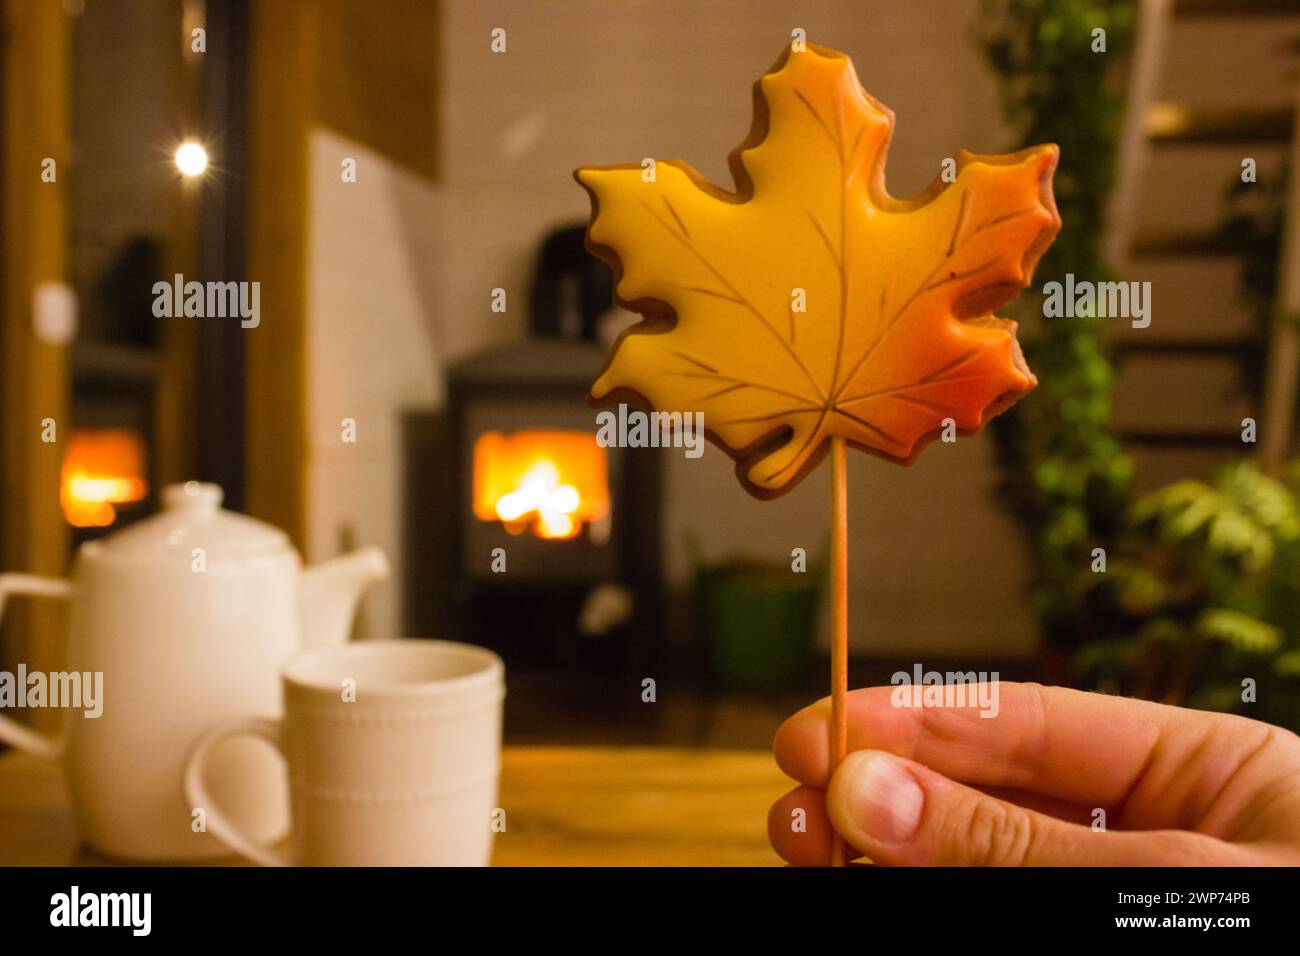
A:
810, 303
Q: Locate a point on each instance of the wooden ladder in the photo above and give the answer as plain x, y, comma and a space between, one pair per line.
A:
1151, 125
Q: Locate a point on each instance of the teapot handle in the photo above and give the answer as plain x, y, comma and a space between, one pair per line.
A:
11, 731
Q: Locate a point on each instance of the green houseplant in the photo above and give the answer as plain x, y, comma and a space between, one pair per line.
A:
758, 620
1066, 479
1204, 590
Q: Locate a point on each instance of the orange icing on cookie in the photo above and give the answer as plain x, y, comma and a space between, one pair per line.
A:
810, 303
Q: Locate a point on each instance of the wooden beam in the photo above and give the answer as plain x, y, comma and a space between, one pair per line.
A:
282, 53
378, 80
33, 250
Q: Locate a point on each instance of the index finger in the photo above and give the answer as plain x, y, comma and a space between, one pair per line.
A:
1049, 740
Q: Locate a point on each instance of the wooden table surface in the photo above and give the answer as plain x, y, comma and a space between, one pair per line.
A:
565, 806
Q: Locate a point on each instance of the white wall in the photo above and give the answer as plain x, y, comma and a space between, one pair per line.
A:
371, 277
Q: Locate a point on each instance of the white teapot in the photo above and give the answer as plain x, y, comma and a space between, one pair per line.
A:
188, 615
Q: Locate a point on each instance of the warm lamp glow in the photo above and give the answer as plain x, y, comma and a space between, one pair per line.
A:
103, 467
191, 159
549, 482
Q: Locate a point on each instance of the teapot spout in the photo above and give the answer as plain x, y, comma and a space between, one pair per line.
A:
330, 592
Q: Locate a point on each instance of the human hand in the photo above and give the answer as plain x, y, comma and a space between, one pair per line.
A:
943, 786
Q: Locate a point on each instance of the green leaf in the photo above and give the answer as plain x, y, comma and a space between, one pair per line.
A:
1287, 665
1243, 632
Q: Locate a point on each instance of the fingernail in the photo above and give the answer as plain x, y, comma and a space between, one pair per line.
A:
885, 799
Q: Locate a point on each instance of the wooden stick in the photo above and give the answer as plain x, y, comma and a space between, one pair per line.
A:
839, 729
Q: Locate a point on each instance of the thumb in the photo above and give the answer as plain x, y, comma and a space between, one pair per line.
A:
901, 813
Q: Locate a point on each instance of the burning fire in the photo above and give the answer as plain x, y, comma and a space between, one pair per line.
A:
549, 482
103, 467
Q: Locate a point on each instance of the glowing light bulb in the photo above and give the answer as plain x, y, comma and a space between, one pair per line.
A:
191, 159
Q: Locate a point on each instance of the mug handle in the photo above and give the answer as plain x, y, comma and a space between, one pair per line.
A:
196, 794
11, 731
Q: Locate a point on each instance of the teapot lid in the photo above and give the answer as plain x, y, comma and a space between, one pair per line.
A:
192, 517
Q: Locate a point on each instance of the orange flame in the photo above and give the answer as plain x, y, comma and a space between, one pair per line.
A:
102, 467
549, 482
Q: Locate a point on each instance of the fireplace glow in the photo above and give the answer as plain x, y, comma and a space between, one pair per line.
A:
550, 483
103, 467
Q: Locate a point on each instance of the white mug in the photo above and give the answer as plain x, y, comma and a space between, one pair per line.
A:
393, 750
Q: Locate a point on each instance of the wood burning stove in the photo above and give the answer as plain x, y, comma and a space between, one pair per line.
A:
524, 534
554, 540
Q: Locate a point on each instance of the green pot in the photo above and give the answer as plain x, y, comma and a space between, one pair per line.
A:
759, 622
